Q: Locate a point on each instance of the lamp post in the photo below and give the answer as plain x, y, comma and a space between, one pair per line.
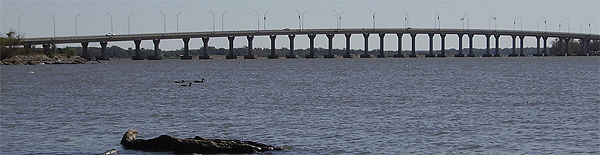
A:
589, 24
128, 26
463, 19
111, 22
178, 21
489, 21
213, 18
338, 19
54, 23
569, 25
257, 20
76, 24
538, 24
164, 22
300, 19
222, 19
19, 25
406, 19
265, 20
560, 24
515, 22
374, 13
436, 20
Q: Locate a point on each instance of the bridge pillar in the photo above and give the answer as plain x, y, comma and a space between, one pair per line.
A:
521, 53
545, 40
430, 45
366, 50
443, 45
487, 47
84, 50
103, 55
470, 35
584, 45
231, 55
291, 56
399, 55
413, 53
460, 46
157, 54
138, 52
497, 50
514, 46
46, 49
250, 55
347, 55
538, 52
273, 56
566, 49
204, 49
330, 38
186, 49
381, 51
312, 46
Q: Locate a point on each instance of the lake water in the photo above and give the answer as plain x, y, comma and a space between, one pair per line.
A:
544, 105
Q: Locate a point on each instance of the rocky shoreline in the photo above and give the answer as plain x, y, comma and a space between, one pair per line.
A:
40, 59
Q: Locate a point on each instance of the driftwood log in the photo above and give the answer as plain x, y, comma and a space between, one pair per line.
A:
192, 145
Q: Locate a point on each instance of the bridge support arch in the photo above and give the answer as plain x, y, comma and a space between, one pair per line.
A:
250, 55
292, 55
311, 53
366, 50
84, 51
273, 56
545, 40
538, 52
521, 52
330, 53
381, 50
138, 52
514, 46
231, 55
497, 50
443, 45
347, 55
399, 55
157, 54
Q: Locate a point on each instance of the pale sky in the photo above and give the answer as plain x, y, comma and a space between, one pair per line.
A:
573, 16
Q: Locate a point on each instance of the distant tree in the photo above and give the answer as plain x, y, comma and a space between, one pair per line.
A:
9, 45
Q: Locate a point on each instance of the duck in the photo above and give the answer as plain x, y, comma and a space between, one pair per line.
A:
185, 85
201, 81
182, 81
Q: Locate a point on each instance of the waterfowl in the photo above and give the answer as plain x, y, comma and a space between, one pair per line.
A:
202, 81
187, 84
182, 81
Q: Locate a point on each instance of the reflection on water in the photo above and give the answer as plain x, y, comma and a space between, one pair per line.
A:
319, 106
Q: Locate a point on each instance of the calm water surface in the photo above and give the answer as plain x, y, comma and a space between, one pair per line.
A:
320, 106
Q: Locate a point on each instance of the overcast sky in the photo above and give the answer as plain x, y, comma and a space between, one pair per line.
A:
36, 21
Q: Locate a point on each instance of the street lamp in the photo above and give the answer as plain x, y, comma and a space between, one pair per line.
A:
76, 24
338, 19
406, 19
436, 20
54, 23
257, 20
222, 19
111, 23
19, 25
301, 19
569, 25
515, 22
164, 22
463, 20
265, 20
178, 21
489, 21
128, 19
589, 24
213, 15
538, 24
374, 13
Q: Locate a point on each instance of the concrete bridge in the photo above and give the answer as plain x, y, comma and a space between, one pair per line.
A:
564, 37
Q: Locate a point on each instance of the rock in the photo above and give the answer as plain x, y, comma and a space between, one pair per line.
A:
36, 59
192, 145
